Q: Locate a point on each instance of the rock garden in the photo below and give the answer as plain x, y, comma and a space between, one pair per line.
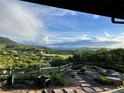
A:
102, 76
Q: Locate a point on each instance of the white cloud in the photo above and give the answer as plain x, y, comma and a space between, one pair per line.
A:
51, 11
44, 38
96, 16
17, 22
88, 40
107, 34
20, 22
62, 12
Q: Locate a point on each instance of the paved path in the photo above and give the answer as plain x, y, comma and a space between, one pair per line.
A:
88, 88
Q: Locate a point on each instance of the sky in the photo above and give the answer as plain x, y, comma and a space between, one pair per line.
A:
34, 24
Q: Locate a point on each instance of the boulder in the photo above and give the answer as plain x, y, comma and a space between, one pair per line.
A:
115, 80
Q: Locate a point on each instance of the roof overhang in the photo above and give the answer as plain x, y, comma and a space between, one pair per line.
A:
109, 8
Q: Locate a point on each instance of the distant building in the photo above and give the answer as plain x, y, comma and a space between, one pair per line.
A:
42, 52
16, 58
4, 52
14, 51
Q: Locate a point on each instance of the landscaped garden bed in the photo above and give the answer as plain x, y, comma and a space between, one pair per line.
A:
101, 76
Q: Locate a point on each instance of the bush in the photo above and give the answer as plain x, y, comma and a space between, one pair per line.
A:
77, 66
58, 61
20, 81
103, 80
81, 71
59, 79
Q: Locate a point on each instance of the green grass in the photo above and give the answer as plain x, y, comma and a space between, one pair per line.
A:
2, 46
103, 80
60, 55
59, 79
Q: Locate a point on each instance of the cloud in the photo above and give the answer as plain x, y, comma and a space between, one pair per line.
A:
22, 21
44, 38
50, 11
17, 22
107, 34
33, 24
85, 43
85, 40
96, 16
62, 12
91, 15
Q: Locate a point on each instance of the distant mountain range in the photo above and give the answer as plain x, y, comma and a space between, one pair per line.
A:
73, 48
7, 41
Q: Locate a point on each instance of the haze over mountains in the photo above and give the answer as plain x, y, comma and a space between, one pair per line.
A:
4, 40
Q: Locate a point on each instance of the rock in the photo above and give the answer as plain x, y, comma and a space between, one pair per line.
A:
117, 81
89, 90
74, 73
93, 70
107, 89
85, 85
79, 78
81, 81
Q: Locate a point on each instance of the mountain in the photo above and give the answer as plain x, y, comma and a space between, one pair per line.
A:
75, 48
8, 44
4, 40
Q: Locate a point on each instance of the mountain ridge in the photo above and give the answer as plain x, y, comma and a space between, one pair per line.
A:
5, 40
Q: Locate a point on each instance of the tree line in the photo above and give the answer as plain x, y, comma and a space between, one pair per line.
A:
106, 58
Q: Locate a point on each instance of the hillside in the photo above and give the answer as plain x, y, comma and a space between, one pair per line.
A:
6, 41
27, 55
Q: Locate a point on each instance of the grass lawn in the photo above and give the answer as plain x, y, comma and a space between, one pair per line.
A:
60, 55
2, 46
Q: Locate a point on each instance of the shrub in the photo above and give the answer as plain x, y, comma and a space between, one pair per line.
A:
103, 80
80, 71
58, 61
20, 81
59, 79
